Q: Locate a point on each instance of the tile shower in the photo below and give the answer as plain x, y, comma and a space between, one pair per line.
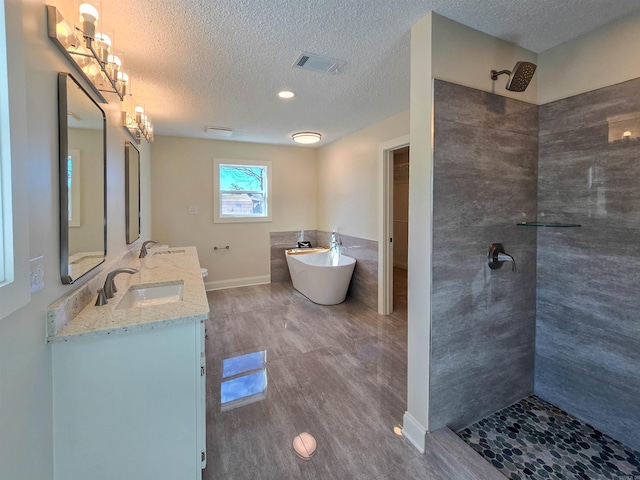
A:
565, 325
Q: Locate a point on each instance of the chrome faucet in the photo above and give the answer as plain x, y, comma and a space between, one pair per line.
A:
143, 249
110, 285
336, 243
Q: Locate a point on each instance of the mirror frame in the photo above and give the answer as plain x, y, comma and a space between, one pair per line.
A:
127, 193
63, 133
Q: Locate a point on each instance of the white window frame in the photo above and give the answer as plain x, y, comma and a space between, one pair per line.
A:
217, 203
14, 200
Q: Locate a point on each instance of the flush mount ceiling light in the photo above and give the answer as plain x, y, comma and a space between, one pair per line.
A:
286, 94
306, 137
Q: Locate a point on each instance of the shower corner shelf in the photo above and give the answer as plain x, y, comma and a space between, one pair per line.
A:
548, 224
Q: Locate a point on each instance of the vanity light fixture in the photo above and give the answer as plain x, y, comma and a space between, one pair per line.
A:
286, 94
306, 138
89, 52
135, 121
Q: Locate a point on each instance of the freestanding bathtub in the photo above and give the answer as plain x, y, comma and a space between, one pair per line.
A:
319, 274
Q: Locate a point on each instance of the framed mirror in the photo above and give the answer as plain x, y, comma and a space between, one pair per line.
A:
132, 191
82, 166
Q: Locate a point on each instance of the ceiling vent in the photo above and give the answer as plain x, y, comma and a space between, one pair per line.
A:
222, 131
316, 63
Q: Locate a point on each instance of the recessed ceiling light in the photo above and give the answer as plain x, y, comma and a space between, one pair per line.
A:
286, 94
306, 137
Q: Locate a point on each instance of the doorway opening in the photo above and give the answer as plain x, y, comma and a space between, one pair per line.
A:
400, 231
394, 226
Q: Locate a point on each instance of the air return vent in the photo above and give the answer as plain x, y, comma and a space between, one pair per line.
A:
316, 63
222, 131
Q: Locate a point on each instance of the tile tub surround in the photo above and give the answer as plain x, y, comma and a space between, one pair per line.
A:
364, 283
105, 320
482, 320
533, 439
281, 241
588, 332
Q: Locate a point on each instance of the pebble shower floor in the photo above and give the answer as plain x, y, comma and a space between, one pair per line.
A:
533, 439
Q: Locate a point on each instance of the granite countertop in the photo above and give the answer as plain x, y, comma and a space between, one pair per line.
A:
159, 267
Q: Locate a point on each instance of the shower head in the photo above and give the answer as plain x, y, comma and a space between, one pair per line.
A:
519, 78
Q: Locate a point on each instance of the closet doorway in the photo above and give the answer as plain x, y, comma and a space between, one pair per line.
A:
400, 233
394, 226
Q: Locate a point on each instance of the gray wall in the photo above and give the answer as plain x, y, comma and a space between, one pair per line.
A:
588, 293
483, 321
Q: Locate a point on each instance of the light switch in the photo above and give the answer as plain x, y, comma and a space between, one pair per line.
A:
36, 273
193, 210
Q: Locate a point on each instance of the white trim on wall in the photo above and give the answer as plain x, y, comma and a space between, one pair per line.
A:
237, 282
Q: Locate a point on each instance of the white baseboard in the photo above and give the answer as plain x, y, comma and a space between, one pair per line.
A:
237, 282
414, 432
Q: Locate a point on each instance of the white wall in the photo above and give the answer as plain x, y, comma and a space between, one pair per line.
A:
26, 450
416, 418
606, 56
182, 176
348, 178
466, 56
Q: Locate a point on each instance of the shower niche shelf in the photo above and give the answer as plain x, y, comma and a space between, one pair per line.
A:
548, 224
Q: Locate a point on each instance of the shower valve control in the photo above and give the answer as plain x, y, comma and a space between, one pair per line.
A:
497, 256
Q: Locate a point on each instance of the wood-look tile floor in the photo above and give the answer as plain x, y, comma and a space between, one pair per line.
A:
338, 372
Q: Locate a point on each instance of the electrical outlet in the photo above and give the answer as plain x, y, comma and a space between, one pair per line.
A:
36, 273
193, 210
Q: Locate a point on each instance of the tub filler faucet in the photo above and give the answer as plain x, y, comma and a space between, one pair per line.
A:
335, 245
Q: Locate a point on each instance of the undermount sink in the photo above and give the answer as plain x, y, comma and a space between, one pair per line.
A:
146, 295
170, 251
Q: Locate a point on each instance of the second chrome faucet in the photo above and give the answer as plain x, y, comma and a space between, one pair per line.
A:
143, 249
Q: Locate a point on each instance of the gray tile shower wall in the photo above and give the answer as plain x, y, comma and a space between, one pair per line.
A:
482, 320
364, 283
588, 330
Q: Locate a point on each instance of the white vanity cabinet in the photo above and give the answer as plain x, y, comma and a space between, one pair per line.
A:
131, 405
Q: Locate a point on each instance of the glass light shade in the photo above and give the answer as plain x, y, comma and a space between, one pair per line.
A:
65, 33
82, 57
92, 71
115, 60
103, 42
306, 138
103, 38
286, 94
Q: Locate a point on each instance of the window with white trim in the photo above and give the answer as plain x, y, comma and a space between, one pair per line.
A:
241, 191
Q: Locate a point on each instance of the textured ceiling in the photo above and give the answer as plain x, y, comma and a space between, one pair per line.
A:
222, 62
